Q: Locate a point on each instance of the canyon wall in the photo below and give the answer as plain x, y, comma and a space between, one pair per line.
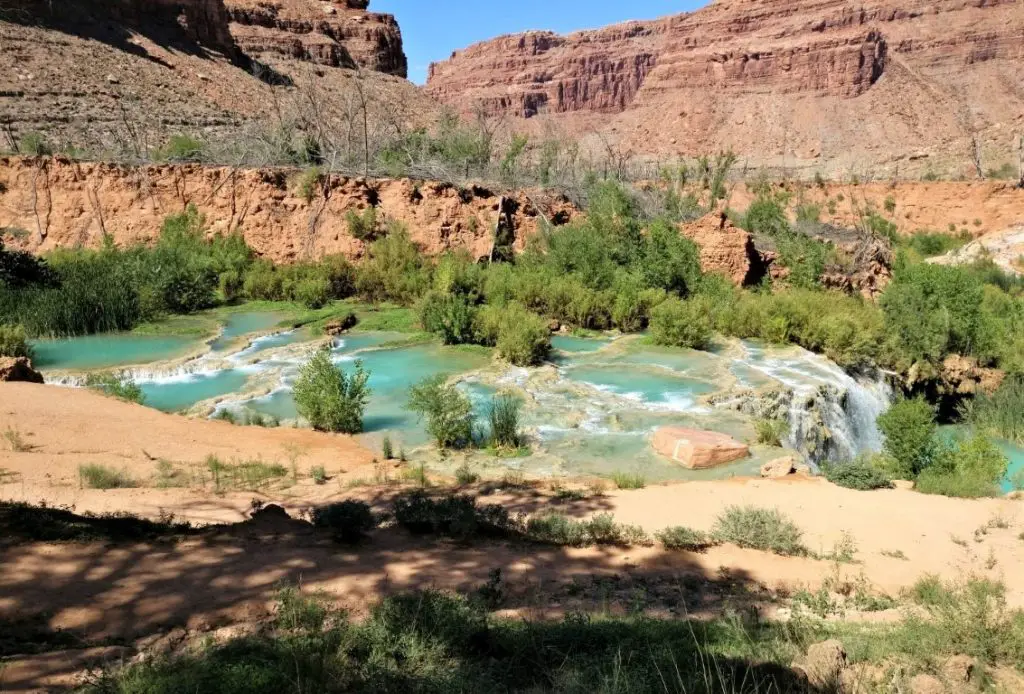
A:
884, 85
47, 204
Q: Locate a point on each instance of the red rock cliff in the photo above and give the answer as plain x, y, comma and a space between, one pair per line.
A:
334, 33
791, 82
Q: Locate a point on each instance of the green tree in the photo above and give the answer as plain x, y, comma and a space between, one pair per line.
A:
909, 429
678, 323
330, 399
449, 413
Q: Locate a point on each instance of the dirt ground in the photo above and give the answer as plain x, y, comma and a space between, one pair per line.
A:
106, 595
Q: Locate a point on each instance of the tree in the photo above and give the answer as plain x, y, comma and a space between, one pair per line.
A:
909, 429
448, 412
330, 399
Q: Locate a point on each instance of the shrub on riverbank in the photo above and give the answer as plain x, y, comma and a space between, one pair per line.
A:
120, 386
13, 342
448, 412
328, 398
1000, 413
861, 474
759, 528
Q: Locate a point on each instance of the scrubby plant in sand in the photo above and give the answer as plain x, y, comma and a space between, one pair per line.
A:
94, 476
759, 528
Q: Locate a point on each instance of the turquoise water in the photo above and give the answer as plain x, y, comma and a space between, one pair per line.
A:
245, 323
182, 392
1016, 455
92, 352
576, 345
650, 385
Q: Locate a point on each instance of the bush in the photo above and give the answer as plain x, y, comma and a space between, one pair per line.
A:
394, 270
348, 521
759, 528
449, 315
557, 529
909, 429
35, 144
771, 432
503, 415
970, 468
677, 323
859, 474
103, 477
387, 449
453, 516
680, 537
522, 338
13, 342
999, 414
308, 183
181, 148
362, 226
328, 398
449, 413
629, 480
117, 386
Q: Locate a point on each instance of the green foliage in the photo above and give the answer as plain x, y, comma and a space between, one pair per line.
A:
1000, 413
120, 386
464, 475
688, 539
449, 413
103, 477
503, 416
387, 449
759, 528
319, 474
449, 315
362, 225
927, 244
311, 284
521, 337
454, 516
308, 183
35, 144
859, 474
804, 256
771, 432
347, 521
968, 468
629, 480
394, 270
13, 342
328, 398
909, 429
181, 148
678, 323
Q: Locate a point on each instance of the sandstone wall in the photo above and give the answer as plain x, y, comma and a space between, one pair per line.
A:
56, 203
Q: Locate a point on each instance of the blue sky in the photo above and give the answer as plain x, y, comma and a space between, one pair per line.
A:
432, 29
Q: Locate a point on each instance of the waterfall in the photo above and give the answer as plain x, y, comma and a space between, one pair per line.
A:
832, 414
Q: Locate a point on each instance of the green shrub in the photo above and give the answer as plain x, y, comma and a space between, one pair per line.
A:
859, 474
678, 323
522, 338
328, 398
449, 413
449, 315
362, 226
464, 475
629, 480
968, 468
909, 429
120, 386
13, 342
348, 521
387, 449
453, 516
557, 529
394, 270
309, 182
1000, 413
503, 416
181, 148
759, 528
319, 474
35, 144
679, 537
771, 432
103, 477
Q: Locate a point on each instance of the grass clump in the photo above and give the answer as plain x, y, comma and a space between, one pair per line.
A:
348, 521
181, 148
465, 476
362, 225
771, 432
1000, 413
387, 449
102, 477
558, 529
252, 475
15, 441
120, 386
629, 480
859, 474
319, 474
503, 416
330, 399
688, 539
759, 528
14, 342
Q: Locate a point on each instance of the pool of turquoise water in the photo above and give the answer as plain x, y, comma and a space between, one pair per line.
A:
1016, 455
108, 351
182, 392
575, 345
244, 323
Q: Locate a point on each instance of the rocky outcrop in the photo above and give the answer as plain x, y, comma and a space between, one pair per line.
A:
336, 33
784, 467
817, 83
961, 375
60, 204
697, 450
18, 369
725, 249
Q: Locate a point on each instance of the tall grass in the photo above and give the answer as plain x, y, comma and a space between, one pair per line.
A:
503, 416
759, 528
103, 477
1000, 413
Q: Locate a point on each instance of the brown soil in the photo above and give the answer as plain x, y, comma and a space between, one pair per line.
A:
228, 575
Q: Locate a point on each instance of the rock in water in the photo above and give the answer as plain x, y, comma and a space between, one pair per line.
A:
696, 449
18, 369
780, 467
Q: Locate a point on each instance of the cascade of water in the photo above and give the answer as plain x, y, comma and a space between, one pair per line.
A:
832, 414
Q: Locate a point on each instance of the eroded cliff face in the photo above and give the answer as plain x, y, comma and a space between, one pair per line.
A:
57, 203
333, 33
783, 82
